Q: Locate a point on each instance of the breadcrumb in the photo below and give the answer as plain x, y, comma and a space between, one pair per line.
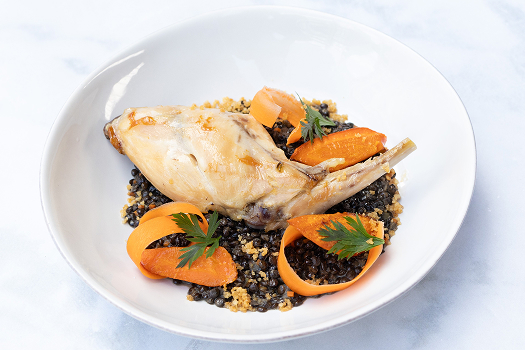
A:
241, 300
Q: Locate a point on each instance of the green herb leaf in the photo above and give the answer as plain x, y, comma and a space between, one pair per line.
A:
314, 123
349, 241
189, 223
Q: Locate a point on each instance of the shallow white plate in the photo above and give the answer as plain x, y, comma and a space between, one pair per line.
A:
377, 81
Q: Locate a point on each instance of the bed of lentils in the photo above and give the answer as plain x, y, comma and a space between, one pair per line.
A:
258, 286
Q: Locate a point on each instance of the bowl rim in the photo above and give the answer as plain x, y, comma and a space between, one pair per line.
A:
51, 145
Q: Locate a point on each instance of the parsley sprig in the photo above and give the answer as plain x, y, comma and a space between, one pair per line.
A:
189, 223
349, 241
314, 123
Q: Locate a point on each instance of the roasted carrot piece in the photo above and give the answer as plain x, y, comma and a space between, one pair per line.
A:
160, 263
355, 145
269, 104
148, 232
296, 284
174, 208
217, 270
309, 224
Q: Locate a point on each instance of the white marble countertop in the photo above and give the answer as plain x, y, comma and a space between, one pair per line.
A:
471, 299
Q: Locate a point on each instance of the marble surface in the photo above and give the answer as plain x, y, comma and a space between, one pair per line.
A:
471, 299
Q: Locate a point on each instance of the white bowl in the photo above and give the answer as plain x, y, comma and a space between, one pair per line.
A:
377, 81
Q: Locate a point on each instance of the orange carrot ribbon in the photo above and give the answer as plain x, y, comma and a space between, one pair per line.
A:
296, 284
